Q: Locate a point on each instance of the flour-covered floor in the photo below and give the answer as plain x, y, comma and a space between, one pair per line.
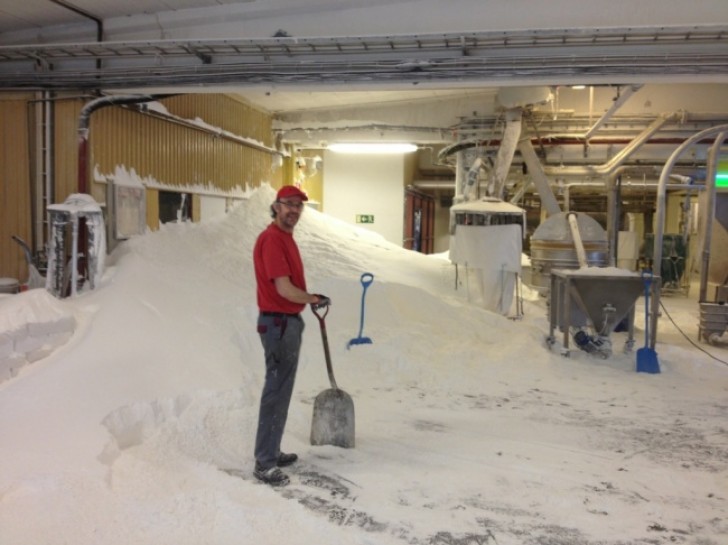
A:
469, 430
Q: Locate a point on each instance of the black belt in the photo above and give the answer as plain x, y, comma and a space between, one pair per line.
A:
280, 314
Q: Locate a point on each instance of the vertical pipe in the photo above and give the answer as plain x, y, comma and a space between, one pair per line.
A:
576, 235
49, 120
74, 254
507, 149
709, 215
99, 22
614, 184
660, 227
591, 103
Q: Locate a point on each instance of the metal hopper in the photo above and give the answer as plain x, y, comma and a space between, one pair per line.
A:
594, 298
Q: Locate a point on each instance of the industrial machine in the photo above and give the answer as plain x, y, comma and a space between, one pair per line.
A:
553, 246
588, 304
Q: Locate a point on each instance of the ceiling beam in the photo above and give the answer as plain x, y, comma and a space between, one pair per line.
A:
607, 56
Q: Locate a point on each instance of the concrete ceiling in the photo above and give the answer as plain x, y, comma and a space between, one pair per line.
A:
73, 21
452, 64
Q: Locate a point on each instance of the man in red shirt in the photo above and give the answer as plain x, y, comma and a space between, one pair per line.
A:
281, 297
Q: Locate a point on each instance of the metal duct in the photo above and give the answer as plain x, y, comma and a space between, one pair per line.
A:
471, 179
539, 177
616, 105
509, 143
576, 235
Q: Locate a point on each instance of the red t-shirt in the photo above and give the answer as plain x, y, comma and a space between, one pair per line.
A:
276, 254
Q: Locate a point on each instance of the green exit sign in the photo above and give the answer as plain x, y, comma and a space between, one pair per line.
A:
365, 218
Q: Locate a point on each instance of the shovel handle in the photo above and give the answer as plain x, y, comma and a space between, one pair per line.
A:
367, 279
325, 340
647, 279
319, 316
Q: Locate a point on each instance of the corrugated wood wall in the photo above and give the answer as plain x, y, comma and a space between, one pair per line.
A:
153, 208
169, 153
15, 203
65, 134
183, 157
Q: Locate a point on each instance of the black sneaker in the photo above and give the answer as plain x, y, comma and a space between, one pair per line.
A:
286, 459
272, 476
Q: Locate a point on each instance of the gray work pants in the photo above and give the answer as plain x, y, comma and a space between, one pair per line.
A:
281, 338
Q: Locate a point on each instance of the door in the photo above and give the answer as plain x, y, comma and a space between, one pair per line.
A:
419, 221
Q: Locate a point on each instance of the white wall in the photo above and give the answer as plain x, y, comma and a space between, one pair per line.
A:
366, 184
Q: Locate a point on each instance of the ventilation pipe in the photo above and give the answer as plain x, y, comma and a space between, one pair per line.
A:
576, 235
535, 169
509, 143
471, 179
84, 121
616, 105
465, 160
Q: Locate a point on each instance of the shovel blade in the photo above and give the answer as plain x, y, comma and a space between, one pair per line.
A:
358, 340
333, 419
647, 361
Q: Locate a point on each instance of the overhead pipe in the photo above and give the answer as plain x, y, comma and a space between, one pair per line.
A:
450, 185
99, 22
660, 218
615, 162
134, 101
206, 129
539, 172
614, 187
84, 121
616, 105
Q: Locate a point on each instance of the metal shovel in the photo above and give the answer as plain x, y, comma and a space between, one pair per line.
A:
647, 361
333, 409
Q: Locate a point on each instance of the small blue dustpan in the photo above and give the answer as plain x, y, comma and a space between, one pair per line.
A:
366, 280
647, 357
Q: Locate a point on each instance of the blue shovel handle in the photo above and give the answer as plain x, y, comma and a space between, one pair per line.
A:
366, 280
647, 279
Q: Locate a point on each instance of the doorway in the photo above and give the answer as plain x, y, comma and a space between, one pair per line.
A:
419, 221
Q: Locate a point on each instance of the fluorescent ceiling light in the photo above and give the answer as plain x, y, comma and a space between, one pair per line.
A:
372, 147
578, 87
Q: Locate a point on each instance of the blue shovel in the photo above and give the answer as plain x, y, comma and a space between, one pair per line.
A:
366, 280
647, 361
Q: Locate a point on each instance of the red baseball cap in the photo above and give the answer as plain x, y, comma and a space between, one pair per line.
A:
288, 191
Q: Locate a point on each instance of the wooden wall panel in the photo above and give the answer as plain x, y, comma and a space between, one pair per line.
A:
169, 153
66, 148
153, 209
224, 111
180, 156
15, 203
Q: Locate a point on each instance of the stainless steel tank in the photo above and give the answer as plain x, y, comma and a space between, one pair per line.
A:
552, 247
